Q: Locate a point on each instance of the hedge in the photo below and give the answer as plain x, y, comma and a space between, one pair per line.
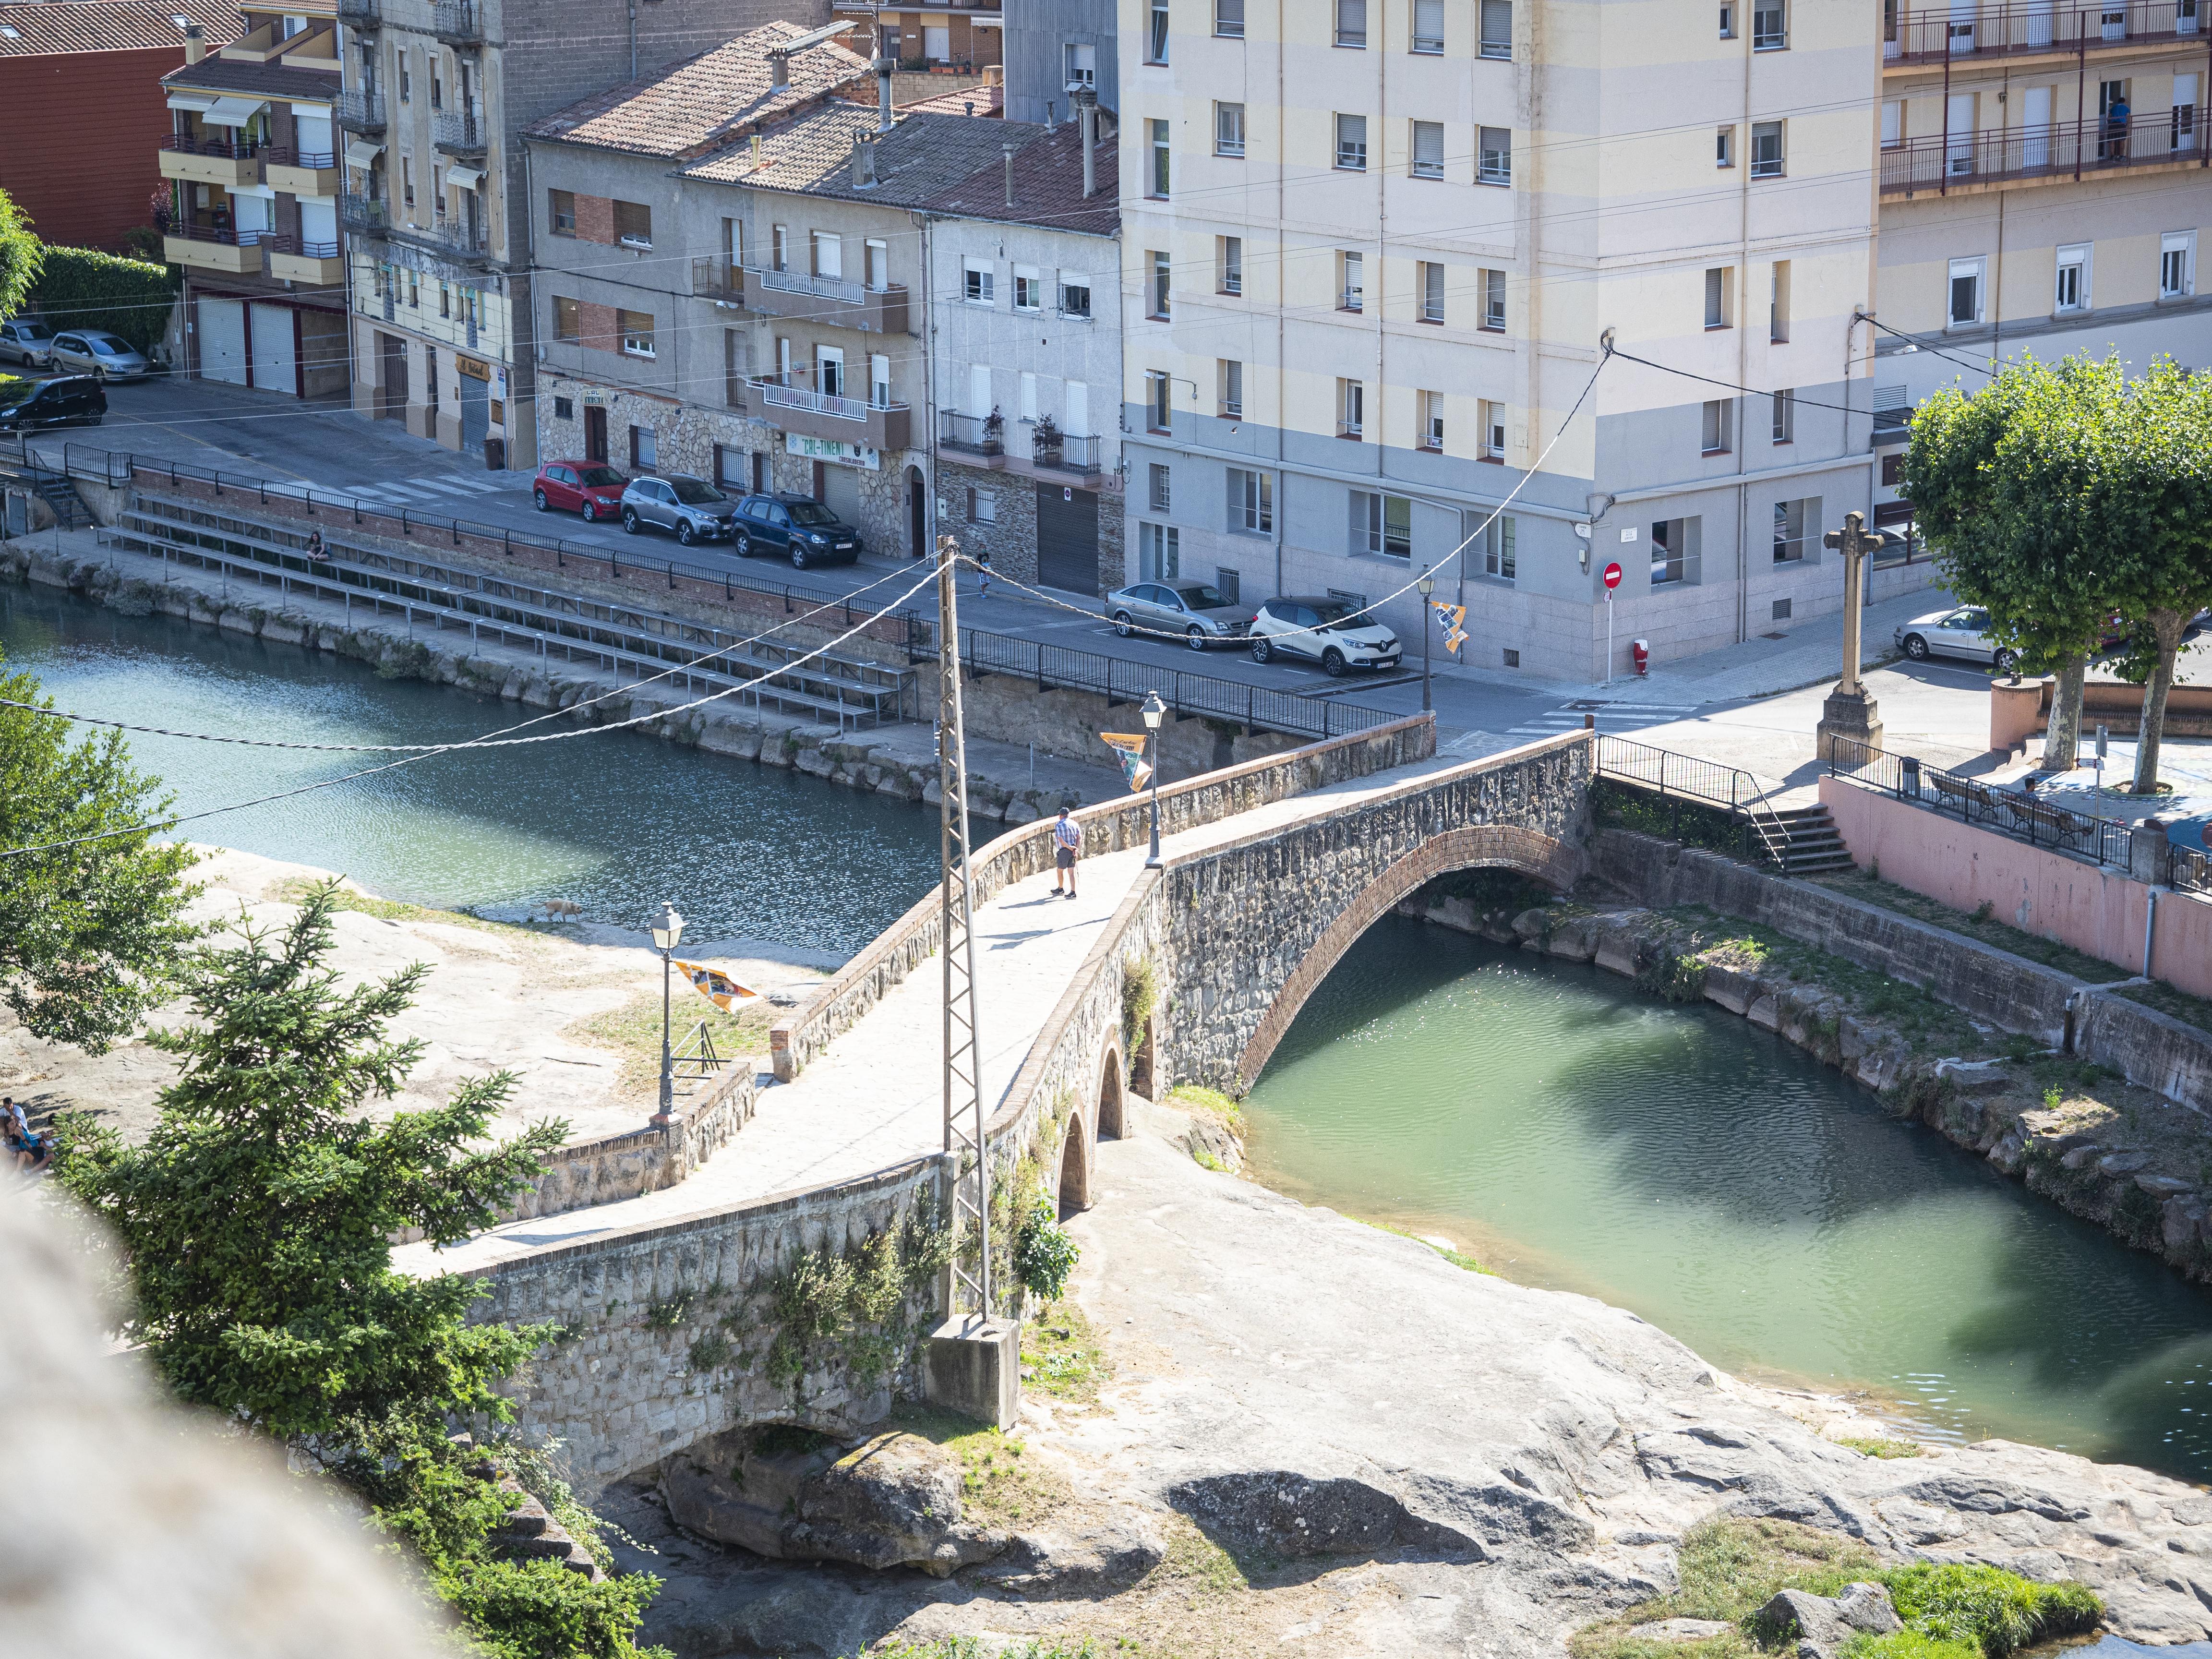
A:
83, 288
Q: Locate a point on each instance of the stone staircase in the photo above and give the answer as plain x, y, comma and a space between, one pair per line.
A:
53, 487
1811, 844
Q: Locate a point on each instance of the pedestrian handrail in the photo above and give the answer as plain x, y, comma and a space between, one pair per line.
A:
2188, 869
697, 1052
2012, 813
1709, 783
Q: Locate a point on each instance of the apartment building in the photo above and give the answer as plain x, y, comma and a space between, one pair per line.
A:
1025, 348
2044, 186
732, 275
1055, 47
436, 203
254, 217
1374, 254
952, 45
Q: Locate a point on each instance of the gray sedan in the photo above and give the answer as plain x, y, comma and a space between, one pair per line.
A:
103, 355
1198, 612
692, 508
1960, 633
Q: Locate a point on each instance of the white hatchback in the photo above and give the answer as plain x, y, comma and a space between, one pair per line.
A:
1337, 635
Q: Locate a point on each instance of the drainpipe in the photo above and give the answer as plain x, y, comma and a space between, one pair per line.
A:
883, 79
2150, 921
633, 40
1009, 151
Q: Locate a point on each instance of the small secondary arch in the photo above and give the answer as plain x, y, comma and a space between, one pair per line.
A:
1074, 1168
1110, 1096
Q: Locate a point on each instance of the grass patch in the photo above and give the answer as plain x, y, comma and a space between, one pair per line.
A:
969, 1647
1190, 1097
1879, 1447
1061, 1355
1979, 925
1453, 1256
2000, 1611
633, 1030
1194, 1563
2176, 1004
1908, 1644
1002, 1485
294, 890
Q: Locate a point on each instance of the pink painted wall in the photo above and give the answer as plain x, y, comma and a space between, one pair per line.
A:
2099, 911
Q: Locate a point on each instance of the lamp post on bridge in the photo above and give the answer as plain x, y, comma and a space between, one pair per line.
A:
1849, 712
667, 935
1155, 711
1428, 586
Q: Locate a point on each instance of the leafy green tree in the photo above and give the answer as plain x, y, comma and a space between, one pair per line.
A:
22, 254
92, 933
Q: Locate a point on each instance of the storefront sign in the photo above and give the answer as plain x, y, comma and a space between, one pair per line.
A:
475, 367
832, 449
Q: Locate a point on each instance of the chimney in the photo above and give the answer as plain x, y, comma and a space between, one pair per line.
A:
779, 70
1009, 148
195, 42
1086, 127
864, 160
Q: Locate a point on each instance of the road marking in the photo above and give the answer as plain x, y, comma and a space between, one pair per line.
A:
1614, 717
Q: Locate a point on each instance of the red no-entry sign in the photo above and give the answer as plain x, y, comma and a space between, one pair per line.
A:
1611, 577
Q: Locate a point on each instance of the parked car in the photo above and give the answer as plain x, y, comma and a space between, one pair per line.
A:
1962, 633
103, 357
591, 487
1201, 613
27, 341
796, 527
692, 508
1338, 636
70, 400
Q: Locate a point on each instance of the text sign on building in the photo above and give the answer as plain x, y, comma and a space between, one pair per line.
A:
475, 367
833, 449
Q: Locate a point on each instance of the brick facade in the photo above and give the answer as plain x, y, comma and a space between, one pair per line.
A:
595, 219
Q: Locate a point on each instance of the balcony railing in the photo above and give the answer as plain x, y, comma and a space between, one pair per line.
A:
819, 403
364, 212
363, 112
1065, 453
2065, 150
458, 134
229, 149
457, 237
199, 232
458, 20
718, 279
971, 435
310, 160
297, 248
361, 13
797, 281
1930, 36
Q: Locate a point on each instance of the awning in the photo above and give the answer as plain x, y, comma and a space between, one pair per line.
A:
360, 152
193, 101
234, 111
465, 178
310, 112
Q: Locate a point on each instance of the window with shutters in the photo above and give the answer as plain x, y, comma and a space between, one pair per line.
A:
1496, 29
1965, 306
1352, 142
1767, 150
1351, 409
1430, 277
2073, 288
1429, 414
1725, 147
1713, 427
1352, 22
1229, 263
1428, 150
982, 506
1720, 292
1251, 501
1777, 302
1493, 300
1028, 288
977, 279
1490, 415
2177, 264
633, 224
1155, 38
1159, 410
1228, 130
1770, 26
1351, 281
1229, 19
637, 328
1231, 374
561, 211
1428, 25
1495, 156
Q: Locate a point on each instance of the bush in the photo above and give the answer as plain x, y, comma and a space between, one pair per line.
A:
1999, 1610
1045, 1254
1908, 1644
83, 288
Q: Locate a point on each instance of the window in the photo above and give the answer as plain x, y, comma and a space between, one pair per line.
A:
1777, 302
1028, 288
978, 278
1785, 418
1381, 524
1725, 146
1495, 154
1352, 22
1230, 582
1158, 133
564, 409
415, 288
1230, 373
1781, 610
1075, 297
636, 327
633, 224
1965, 310
783, 359
1492, 416
1251, 501
826, 253
982, 506
1352, 142
2177, 264
1493, 300
979, 400
876, 264
406, 79
737, 360
1719, 291
561, 209
1160, 487
1351, 281
1497, 551
1675, 551
730, 469
1496, 29
1512, 657
1430, 407
1767, 150
1714, 434
1430, 277
407, 181
1229, 19
1770, 25
1351, 409
644, 449
1160, 283
1082, 64
1229, 263
1159, 552
1893, 123
1428, 150
1159, 411
1728, 20
1428, 25
1026, 403
1791, 521
2073, 286
1156, 38
779, 244
1228, 130
1892, 470
566, 325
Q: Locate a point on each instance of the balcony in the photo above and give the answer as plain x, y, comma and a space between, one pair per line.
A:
457, 22
210, 161
371, 213
2032, 30
361, 15
722, 281
299, 261
204, 247
458, 134
969, 434
2058, 153
826, 300
458, 239
302, 172
1060, 451
824, 415
360, 112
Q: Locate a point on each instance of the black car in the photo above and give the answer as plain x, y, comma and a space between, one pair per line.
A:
796, 527
72, 400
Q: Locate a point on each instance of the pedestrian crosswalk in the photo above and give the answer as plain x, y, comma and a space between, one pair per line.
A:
431, 494
1610, 716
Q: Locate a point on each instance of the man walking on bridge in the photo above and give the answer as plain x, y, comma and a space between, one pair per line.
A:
1067, 839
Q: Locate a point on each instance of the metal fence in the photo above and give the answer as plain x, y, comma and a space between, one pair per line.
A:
2015, 813
2189, 870
1674, 776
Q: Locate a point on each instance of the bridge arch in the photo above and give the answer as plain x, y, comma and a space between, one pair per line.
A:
1109, 1115
1500, 846
1074, 1167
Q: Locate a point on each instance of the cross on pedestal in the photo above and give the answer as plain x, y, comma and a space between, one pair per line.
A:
1848, 712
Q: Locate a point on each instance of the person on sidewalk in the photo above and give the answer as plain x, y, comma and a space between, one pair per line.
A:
1066, 841
984, 572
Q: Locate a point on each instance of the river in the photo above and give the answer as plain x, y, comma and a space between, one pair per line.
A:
1570, 1131
616, 821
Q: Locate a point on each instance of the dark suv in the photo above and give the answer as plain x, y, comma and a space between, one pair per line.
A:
72, 400
796, 527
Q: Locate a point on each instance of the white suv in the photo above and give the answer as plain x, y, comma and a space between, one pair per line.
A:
1332, 632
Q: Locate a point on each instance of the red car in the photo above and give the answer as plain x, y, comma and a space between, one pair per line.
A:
591, 487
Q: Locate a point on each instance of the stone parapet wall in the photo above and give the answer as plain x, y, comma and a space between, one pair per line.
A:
644, 1160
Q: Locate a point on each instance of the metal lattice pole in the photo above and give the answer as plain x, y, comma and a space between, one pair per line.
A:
967, 1152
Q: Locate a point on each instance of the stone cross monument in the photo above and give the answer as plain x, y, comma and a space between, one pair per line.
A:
1848, 712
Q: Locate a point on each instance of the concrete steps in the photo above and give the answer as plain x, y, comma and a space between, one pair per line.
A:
1812, 845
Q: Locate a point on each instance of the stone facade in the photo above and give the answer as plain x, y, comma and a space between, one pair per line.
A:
992, 513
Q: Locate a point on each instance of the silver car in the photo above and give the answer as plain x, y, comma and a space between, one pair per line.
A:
692, 508
26, 341
103, 355
1199, 611
1961, 633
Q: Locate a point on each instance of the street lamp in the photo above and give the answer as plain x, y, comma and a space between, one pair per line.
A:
667, 935
1428, 586
1155, 711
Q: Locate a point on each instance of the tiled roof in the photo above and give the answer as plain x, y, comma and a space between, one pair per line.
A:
49, 28
968, 100
687, 110
213, 74
921, 157
1048, 186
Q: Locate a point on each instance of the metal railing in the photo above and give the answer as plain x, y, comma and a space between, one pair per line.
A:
227, 237
286, 156
300, 247
1930, 36
460, 132
2188, 869
2067, 149
776, 396
797, 281
230, 150
457, 20
363, 110
718, 279
364, 212
458, 237
697, 1052
360, 14
2010, 812
1727, 789
1066, 453
971, 435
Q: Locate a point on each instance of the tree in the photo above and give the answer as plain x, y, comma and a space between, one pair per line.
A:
91, 934
22, 254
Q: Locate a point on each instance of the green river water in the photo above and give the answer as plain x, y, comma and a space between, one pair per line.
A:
1547, 1118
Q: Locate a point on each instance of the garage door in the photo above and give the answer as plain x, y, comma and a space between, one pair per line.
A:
221, 325
275, 357
841, 491
1067, 538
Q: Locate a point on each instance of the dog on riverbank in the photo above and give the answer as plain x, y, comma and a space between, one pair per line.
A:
561, 909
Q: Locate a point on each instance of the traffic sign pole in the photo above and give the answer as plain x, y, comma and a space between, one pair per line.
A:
1612, 581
